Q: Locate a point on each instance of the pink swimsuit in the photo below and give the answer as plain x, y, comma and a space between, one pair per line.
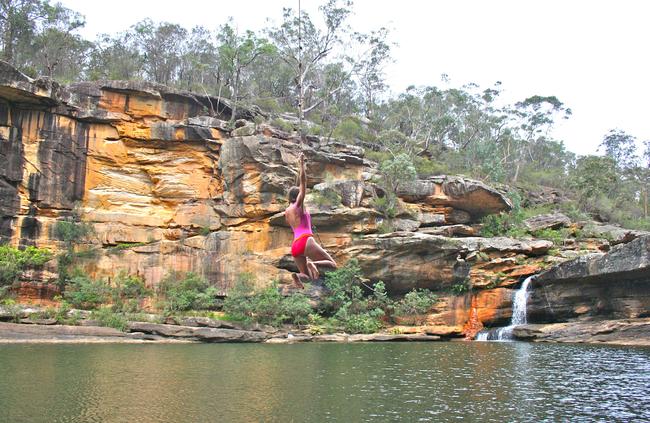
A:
301, 234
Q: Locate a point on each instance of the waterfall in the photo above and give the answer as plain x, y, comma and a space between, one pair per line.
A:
519, 301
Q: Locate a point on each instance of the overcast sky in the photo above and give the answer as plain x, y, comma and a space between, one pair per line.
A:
593, 55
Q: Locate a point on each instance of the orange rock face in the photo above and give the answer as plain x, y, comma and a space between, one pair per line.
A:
167, 187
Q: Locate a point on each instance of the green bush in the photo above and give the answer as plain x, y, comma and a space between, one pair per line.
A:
349, 129
85, 293
296, 309
346, 304
187, 292
425, 167
386, 205
119, 248
266, 306
13, 261
415, 302
572, 211
106, 317
127, 293
269, 105
461, 287
282, 124
368, 322
72, 232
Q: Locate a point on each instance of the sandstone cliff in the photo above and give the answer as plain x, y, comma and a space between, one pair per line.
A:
169, 185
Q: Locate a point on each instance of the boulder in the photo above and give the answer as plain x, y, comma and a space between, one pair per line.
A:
618, 332
451, 230
407, 260
350, 191
504, 245
44, 333
547, 221
204, 334
614, 285
468, 195
614, 234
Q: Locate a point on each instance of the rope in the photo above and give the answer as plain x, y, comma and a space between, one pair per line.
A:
300, 95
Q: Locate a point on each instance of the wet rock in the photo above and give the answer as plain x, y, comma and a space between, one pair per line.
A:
379, 337
619, 332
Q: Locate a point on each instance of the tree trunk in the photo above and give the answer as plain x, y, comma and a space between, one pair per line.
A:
514, 178
8, 53
235, 94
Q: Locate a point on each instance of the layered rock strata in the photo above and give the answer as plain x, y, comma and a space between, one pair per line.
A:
170, 181
168, 185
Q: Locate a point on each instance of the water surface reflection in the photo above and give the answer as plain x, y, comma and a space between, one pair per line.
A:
491, 382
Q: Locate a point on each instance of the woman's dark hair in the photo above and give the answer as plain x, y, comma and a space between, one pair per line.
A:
293, 194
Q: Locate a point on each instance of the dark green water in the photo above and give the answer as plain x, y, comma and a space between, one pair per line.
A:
488, 382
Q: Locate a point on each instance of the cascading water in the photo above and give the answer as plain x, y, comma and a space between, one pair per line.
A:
518, 316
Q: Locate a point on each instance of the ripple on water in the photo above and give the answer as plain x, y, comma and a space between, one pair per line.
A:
490, 382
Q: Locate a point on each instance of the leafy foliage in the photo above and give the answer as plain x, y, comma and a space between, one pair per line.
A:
13, 261
85, 293
109, 318
127, 293
266, 305
72, 232
187, 291
416, 302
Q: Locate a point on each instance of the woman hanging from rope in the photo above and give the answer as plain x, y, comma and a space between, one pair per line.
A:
305, 250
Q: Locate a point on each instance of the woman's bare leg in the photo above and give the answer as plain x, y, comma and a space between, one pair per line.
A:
303, 271
318, 255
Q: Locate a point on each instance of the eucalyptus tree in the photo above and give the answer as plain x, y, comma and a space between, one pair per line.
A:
236, 55
199, 62
368, 67
534, 117
162, 46
303, 46
621, 147
19, 21
116, 57
58, 50
645, 179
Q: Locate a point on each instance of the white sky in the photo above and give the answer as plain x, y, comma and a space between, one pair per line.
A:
593, 55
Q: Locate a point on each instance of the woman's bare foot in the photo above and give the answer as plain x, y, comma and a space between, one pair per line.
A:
296, 281
313, 271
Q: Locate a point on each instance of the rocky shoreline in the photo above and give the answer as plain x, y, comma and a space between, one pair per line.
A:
630, 332
143, 332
